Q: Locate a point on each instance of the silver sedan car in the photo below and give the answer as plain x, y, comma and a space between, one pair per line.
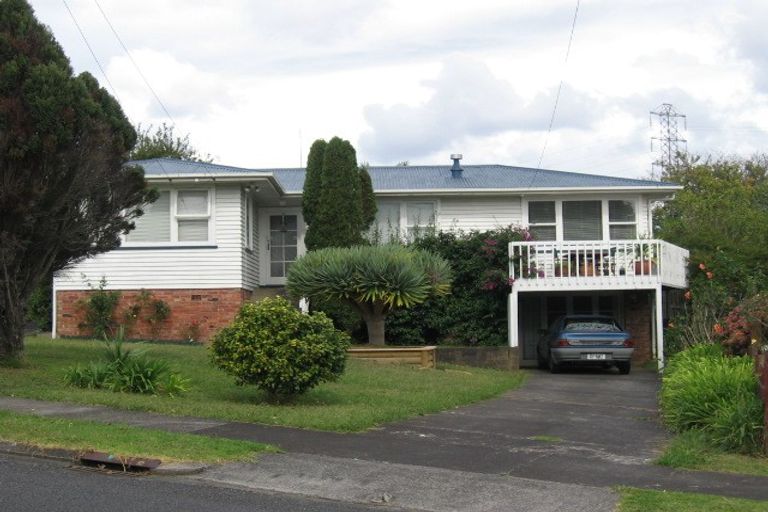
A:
585, 340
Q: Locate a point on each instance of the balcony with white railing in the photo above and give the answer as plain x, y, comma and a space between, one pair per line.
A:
597, 265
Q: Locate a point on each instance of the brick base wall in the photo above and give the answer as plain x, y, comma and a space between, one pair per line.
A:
194, 314
639, 323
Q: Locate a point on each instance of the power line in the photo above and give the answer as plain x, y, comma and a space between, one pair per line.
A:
559, 87
90, 49
138, 69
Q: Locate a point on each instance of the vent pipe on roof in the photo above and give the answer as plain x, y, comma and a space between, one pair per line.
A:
456, 170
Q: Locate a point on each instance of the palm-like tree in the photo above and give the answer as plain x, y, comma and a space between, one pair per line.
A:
373, 279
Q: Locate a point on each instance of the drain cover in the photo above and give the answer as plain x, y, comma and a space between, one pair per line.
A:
112, 461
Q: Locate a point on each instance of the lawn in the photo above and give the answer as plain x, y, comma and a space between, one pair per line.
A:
367, 395
640, 500
122, 440
692, 450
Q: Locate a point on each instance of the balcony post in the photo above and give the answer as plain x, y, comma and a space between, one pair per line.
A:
659, 325
512, 309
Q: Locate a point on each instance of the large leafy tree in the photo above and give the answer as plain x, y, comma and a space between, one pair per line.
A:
373, 280
64, 192
721, 216
162, 142
338, 203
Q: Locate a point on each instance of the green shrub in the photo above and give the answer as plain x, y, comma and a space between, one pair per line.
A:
475, 312
100, 310
272, 345
128, 371
706, 390
40, 305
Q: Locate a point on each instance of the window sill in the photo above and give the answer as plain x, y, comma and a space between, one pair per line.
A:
167, 246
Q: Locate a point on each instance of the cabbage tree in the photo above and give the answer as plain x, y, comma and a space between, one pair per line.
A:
374, 280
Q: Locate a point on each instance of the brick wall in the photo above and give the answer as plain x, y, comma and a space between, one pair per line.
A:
638, 320
194, 314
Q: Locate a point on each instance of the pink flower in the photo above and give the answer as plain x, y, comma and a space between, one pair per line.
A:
710, 275
491, 241
527, 236
688, 295
702, 266
718, 329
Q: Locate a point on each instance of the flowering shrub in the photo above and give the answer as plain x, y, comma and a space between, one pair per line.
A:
475, 312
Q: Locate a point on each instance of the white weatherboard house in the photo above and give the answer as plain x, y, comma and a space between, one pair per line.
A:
218, 236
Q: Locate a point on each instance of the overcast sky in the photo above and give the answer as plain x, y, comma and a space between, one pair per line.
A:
255, 82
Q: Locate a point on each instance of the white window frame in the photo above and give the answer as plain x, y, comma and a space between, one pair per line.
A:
557, 225
174, 217
607, 214
402, 204
559, 200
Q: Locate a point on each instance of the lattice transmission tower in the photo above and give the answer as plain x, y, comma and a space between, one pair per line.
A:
670, 142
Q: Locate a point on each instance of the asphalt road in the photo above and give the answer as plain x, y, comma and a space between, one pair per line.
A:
29, 484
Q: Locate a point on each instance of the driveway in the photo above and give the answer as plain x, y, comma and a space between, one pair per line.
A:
588, 427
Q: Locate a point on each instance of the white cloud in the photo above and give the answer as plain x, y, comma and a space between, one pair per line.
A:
467, 101
418, 80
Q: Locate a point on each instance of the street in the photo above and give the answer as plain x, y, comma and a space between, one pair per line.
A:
35, 484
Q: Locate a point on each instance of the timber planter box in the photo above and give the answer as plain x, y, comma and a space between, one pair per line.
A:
419, 356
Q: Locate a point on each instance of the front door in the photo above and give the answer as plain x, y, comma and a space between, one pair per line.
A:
283, 241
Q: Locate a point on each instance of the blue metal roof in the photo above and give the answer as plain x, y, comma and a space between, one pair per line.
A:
420, 177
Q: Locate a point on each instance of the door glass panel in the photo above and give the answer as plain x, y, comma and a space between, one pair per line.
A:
284, 236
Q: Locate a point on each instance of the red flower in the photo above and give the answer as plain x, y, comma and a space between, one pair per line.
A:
718, 329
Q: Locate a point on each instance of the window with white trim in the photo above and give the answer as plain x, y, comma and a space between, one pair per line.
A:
542, 220
155, 224
178, 216
192, 215
622, 221
387, 225
582, 220
418, 218
396, 220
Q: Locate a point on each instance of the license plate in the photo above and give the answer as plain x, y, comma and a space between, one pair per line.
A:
596, 357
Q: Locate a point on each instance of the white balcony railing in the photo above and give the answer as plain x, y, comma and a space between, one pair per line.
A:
611, 264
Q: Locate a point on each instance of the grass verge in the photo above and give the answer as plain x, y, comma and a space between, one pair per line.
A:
692, 450
124, 440
641, 500
367, 395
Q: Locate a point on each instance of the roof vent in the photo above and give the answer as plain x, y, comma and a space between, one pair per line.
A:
456, 170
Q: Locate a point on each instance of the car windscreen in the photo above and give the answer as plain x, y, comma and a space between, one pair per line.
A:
591, 324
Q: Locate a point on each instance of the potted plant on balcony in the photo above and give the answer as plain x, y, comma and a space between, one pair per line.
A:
646, 258
563, 267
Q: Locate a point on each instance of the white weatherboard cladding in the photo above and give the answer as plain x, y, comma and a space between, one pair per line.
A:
217, 266
481, 213
251, 257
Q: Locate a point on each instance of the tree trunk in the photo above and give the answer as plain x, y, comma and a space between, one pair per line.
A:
11, 331
375, 325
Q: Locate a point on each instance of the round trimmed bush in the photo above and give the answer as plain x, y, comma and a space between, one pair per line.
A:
282, 351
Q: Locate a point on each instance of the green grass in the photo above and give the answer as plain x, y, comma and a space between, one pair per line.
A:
122, 440
367, 395
692, 450
640, 500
